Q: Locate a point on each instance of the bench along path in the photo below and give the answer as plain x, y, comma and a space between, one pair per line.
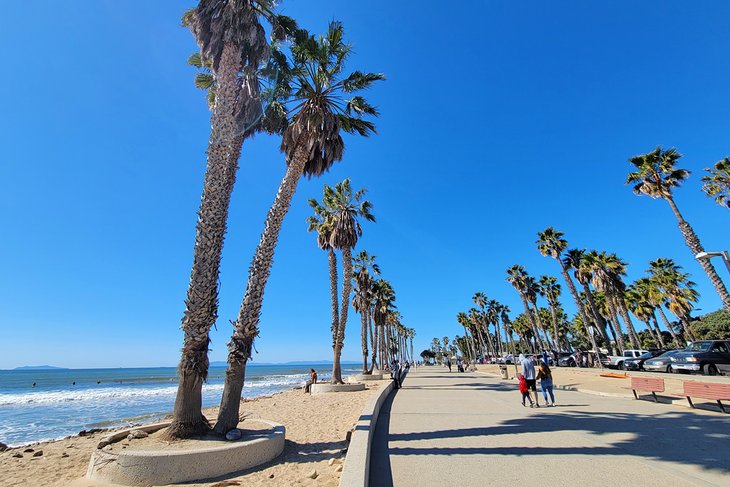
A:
466, 429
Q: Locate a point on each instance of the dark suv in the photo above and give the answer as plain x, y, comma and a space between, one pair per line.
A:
709, 357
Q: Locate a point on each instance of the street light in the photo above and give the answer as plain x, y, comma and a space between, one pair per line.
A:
709, 255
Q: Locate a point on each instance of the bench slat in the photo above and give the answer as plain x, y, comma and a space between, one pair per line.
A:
707, 390
647, 384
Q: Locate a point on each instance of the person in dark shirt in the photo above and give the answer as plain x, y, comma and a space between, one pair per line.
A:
312, 380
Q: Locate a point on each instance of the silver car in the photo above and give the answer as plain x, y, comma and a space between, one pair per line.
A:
662, 363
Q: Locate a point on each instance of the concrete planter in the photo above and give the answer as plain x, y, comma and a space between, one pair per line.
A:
159, 467
324, 387
362, 377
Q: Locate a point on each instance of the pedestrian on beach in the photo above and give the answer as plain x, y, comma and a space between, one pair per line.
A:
312, 380
546, 383
528, 370
524, 390
448, 363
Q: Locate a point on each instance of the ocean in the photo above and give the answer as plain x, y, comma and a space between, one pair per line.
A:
66, 401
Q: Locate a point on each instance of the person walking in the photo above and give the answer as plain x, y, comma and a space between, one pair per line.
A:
448, 363
395, 373
528, 370
545, 375
524, 390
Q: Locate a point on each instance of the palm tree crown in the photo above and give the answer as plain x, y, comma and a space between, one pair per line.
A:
656, 173
717, 183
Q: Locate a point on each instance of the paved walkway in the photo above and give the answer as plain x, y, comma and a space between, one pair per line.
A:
467, 429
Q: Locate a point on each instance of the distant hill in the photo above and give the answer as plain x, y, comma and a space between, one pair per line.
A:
220, 363
39, 367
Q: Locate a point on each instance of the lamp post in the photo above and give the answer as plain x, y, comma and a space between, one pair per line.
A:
709, 255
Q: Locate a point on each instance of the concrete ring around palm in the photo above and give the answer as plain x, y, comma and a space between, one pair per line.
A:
362, 377
115, 463
326, 387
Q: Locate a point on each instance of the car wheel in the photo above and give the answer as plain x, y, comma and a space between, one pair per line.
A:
710, 370
621, 366
572, 363
670, 370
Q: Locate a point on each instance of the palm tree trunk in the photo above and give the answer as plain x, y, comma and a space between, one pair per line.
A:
246, 325
364, 340
556, 335
668, 325
201, 304
693, 242
578, 304
658, 330
599, 319
614, 318
621, 306
339, 337
684, 320
374, 342
538, 324
334, 298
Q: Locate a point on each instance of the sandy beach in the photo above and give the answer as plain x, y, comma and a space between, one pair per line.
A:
316, 430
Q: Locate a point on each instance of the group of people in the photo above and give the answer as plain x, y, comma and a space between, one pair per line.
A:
459, 364
396, 371
529, 377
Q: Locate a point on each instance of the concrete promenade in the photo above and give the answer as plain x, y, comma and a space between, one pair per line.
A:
468, 429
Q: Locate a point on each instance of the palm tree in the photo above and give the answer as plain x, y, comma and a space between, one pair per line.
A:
532, 290
411, 336
550, 289
638, 303
343, 207
519, 279
656, 176
383, 305
574, 259
494, 308
717, 183
312, 142
522, 325
662, 275
676, 291
463, 319
362, 301
550, 242
233, 45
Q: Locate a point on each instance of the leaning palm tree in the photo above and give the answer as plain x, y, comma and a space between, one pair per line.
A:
233, 45
532, 290
312, 142
656, 176
383, 305
550, 289
677, 291
344, 208
574, 259
550, 242
519, 279
663, 275
717, 183
638, 303
648, 297
364, 264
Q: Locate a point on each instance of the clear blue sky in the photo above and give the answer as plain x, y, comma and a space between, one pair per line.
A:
498, 119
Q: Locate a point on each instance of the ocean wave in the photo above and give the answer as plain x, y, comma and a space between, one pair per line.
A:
108, 393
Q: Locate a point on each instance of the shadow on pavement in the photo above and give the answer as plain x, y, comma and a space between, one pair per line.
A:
661, 437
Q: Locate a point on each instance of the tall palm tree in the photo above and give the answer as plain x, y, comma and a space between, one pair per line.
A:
519, 279
550, 242
233, 45
676, 289
362, 301
522, 325
647, 298
638, 303
550, 289
344, 208
717, 182
312, 142
532, 290
463, 319
493, 311
656, 176
574, 259
383, 305
662, 276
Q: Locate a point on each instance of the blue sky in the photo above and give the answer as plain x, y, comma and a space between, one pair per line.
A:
498, 119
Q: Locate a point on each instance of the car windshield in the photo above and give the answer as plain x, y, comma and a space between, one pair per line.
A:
646, 355
670, 352
698, 347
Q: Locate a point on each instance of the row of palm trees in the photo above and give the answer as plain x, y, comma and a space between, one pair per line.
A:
605, 302
289, 84
336, 221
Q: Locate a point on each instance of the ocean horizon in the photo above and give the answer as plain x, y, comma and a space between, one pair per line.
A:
40, 404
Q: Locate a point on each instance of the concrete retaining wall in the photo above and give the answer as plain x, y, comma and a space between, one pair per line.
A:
356, 471
324, 387
144, 468
361, 377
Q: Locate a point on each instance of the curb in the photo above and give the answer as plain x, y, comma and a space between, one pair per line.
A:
356, 471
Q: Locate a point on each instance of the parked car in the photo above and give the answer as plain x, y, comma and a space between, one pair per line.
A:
638, 362
708, 357
661, 363
507, 359
617, 361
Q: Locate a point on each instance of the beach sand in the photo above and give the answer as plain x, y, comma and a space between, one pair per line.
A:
316, 428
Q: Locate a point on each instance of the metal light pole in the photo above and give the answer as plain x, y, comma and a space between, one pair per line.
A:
709, 255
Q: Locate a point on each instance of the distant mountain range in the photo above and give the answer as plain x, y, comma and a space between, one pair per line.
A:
220, 363
39, 367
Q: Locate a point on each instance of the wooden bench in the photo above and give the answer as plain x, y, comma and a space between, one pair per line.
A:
707, 390
647, 384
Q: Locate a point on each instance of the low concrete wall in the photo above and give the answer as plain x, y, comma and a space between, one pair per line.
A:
324, 387
356, 471
145, 468
361, 377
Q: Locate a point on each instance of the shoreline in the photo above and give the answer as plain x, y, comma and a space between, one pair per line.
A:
317, 437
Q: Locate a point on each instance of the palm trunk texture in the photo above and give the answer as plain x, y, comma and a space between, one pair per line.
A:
201, 304
246, 326
693, 242
345, 303
579, 305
